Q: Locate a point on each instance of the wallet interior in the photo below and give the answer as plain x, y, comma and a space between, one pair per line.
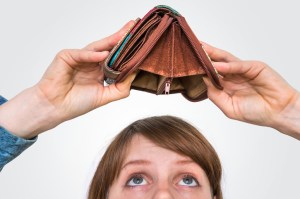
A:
161, 49
191, 86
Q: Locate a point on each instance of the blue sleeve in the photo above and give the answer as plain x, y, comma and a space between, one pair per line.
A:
10, 145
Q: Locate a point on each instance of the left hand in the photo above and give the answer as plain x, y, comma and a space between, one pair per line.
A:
72, 85
254, 93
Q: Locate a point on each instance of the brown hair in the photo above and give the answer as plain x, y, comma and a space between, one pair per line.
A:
168, 132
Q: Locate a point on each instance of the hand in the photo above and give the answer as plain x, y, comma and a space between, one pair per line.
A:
254, 93
71, 86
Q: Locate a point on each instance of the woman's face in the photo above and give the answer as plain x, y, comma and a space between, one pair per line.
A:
150, 171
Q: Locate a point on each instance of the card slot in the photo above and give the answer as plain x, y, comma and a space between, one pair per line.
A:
136, 35
132, 52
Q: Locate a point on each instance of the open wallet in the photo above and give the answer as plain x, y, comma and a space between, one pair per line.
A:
166, 55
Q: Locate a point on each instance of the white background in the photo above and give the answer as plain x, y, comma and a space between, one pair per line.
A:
258, 162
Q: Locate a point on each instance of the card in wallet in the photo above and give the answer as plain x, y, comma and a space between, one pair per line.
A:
167, 55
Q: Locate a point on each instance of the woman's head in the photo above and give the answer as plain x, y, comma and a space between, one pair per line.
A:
158, 157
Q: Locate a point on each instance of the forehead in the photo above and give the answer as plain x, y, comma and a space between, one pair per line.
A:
144, 154
141, 147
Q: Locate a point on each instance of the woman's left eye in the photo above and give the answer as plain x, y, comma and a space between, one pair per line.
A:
136, 181
188, 181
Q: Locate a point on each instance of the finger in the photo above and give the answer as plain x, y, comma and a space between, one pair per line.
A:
217, 54
109, 42
249, 69
74, 56
117, 91
220, 98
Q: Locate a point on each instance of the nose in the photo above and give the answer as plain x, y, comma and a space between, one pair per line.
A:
163, 195
163, 192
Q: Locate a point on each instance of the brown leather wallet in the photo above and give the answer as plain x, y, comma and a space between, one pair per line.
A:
167, 55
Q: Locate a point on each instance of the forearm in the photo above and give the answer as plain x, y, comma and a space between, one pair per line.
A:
27, 114
288, 121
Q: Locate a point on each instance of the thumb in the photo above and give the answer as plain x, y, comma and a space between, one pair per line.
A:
219, 97
127, 82
117, 91
207, 82
212, 92
124, 86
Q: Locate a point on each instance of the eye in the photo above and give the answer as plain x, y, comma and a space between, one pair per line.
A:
188, 181
137, 180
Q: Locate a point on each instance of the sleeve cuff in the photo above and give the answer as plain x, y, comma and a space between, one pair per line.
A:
11, 145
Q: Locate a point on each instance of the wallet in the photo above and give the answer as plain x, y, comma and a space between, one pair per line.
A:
166, 55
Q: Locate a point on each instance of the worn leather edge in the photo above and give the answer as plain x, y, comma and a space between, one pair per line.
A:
202, 55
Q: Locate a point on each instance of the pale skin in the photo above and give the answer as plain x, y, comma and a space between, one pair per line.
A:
150, 171
254, 93
73, 85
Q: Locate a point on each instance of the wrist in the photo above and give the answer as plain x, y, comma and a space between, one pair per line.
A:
288, 121
27, 114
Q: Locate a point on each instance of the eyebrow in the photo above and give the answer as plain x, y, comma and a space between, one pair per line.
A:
185, 162
137, 162
146, 162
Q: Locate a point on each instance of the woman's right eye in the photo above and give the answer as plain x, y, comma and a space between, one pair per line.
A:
137, 180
